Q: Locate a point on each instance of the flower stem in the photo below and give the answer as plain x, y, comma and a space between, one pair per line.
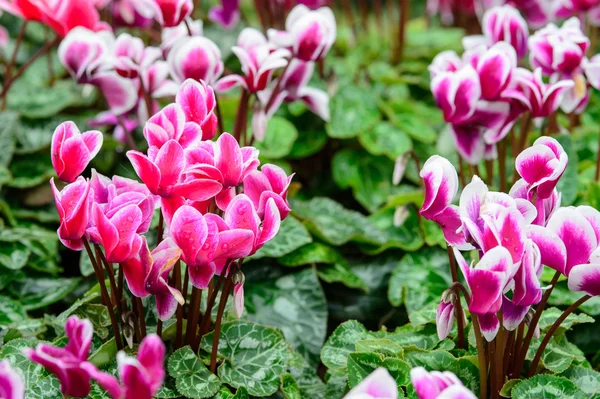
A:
461, 171
481, 356
219, 117
141, 315
241, 116
13, 58
111, 278
179, 336
525, 125
551, 331
531, 329
597, 176
193, 316
104, 294
218, 321
277, 88
460, 319
159, 231
404, 15
147, 100
502, 165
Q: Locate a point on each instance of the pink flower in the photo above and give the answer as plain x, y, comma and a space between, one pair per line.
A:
542, 165
558, 50
227, 14
545, 206
117, 233
446, 61
11, 382
158, 85
142, 376
131, 56
105, 188
148, 273
505, 24
444, 316
120, 93
74, 205
569, 8
378, 385
270, 182
170, 124
259, 60
84, 53
310, 34
205, 239
68, 363
132, 13
162, 170
198, 103
495, 68
73, 151
441, 185
171, 13
240, 214
196, 58
171, 36
436, 384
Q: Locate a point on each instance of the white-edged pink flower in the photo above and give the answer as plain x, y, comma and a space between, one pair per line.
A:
441, 185
196, 58
11, 382
72, 150
227, 14
438, 385
446, 61
84, 53
505, 24
170, 36
198, 102
378, 385
170, 13
131, 56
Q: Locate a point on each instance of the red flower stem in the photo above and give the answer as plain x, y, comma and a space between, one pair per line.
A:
23, 68
364, 14
219, 118
532, 325
347, 6
159, 231
193, 316
378, 8
461, 170
483, 369
211, 302
13, 58
551, 331
111, 277
510, 347
277, 88
460, 320
141, 315
147, 100
500, 345
525, 126
159, 326
242, 114
261, 14
179, 335
104, 294
223, 301
398, 53
135, 319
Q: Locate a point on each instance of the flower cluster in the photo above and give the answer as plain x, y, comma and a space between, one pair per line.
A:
141, 376
484, 92
515, 234
217, 204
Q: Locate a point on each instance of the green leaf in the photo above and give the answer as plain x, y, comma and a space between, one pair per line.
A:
342, 342
341, 273
14, 255
10, 311
550, 315
289, 387
586, 379
506, 391
9, 130
558, 355
334, 224
424, 338
309, 383
353, 110
314, 252
296, 304
255, 356
30, 170
416, 127
431, 360
386, 139
193, 379
85, 265
567, 185
291, 236
467, 372
279, 139
384, 346
336, 384
419, 278
5, 175
308, 143
36, 293
360, 365
548, 387
39, 384
408, 236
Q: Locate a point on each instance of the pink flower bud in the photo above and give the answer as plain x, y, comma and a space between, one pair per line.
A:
73, 151
83, 53
505, 24
196, 58
171, 13
74, 204
444, 317
198, 103
270, 182
131, 56
170, 124
11, 383
436, 384
441, 185
378, 385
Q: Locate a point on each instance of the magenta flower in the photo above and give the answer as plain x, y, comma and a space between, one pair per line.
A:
203, 239
68, 363
121, 185
545, 207
74, 205
158, 85
148, 273
115, 202
441, 185
11, 382
171, 36
227, 14
196, 58
131, 56
542, 165
84, 53
495, 68
198, 102
436, 384
270, 182
378, 385
238, 298
259, 60
444, 316
170, 124
72, 151
505, 24
569, 8
446, 61
309, 34
170, 13
162, 171
141, 377
117, 233
132, 13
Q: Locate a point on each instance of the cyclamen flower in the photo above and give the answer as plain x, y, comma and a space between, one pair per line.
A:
545, 206
445, 9
196, 58
118, 233
157, 85
259, 60
198, 103
444, 316
170, 13
569, 8
142, 376
74, 205
446, 61
132, 13
270, 182
227, 14
505, 24
378, 385
11, 382
72, 151
309, 34
148, 273
131, 56
170, 124
436, 384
